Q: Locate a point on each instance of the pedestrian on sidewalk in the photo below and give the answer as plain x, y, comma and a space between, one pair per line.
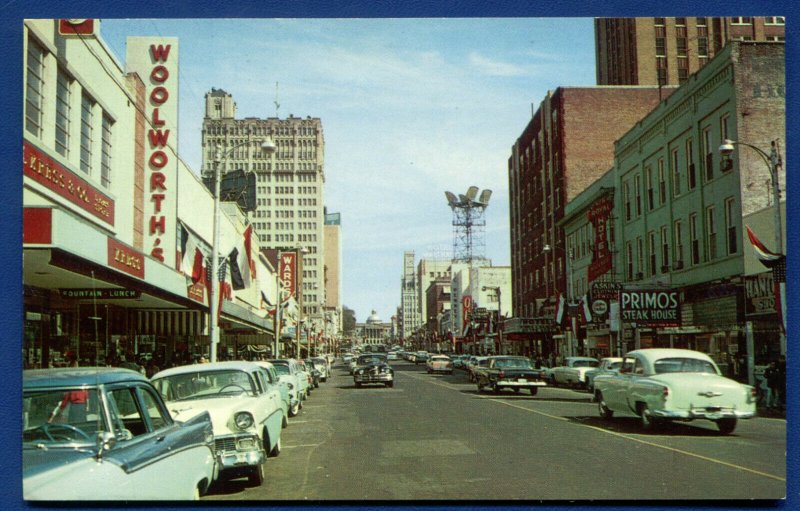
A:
772, 376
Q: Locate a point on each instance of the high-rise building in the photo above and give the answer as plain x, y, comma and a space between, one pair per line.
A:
333, 267
409, 298
567, 145
665, 51
428, 271
290, 182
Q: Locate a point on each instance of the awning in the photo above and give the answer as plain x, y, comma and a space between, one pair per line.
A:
244, 318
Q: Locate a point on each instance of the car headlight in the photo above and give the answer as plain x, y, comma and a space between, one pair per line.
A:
290, 386
360, 371
243, 420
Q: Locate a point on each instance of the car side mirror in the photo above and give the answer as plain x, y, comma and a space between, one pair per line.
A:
105, 442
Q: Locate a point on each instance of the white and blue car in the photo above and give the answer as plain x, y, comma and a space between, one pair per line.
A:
90, 426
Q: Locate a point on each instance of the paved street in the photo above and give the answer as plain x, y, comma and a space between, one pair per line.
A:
434, 437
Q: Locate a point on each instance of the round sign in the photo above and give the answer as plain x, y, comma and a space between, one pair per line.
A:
599, 307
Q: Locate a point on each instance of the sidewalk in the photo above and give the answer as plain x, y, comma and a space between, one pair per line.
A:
773, 413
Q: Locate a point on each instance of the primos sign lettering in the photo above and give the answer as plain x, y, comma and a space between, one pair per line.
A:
657, 308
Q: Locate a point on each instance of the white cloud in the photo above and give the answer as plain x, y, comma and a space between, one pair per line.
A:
494, 67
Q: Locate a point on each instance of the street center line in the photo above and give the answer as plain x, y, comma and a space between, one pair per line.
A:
299, 445
652, 444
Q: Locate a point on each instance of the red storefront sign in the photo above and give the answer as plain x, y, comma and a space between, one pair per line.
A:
57, 178
598, 215
73, 26
126, 259
197, 292
287, 272
37, 226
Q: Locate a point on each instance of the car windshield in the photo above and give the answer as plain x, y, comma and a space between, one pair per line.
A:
371, 359
203, 384
440, 358
684, 365
614, 365
585, 363
281, 369
513, 363
61, 417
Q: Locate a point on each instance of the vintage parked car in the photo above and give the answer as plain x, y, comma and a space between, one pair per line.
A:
573, 372
347, 357
291, 383
474, 365
312, 369
274, 379
509, 372
663, 384
323, 366
439, 364
300, 375
607, 365
246, 413
421, 357
373, 368
98, 433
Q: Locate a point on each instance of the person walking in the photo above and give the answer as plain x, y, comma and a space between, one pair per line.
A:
772, 376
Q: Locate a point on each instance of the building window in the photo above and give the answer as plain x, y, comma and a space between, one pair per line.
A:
105, 153
648, 175
651, 253
711, 234
662, 183
694, 239
774, 20
86, 133
639, 257
740, 20
661, 69
701, 22
63, 83
730, 225
661, 46
680, 22
690, 170
664, 249
681, 47
629, 259
626, 194
708, 152
702, 47
659, 22
723, 127
678, 256
683, 73
676, 174
34, 84
637, 189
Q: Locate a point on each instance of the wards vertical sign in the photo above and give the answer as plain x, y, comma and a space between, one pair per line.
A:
656, 308
155, 60
287, 273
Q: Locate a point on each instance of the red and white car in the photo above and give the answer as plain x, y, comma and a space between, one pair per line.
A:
439, 364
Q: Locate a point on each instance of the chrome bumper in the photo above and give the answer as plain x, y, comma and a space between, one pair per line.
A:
703, 413
372, 378
505, 383
234, 451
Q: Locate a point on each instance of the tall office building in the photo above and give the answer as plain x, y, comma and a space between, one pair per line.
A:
409, 299
333, 268
290, 182
665, 51
428, 272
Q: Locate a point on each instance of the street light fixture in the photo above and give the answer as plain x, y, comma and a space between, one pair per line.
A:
268, 146
773, 161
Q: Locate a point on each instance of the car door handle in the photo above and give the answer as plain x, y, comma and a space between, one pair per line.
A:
161, 438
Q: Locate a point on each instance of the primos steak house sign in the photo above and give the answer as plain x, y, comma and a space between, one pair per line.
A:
657, 308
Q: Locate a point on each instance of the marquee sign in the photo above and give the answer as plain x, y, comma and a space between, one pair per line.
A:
102, 293
602, 258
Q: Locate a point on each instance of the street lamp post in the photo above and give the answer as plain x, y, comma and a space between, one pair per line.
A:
774, 162
213, 329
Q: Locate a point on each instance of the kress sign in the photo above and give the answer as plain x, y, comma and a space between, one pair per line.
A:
656, 308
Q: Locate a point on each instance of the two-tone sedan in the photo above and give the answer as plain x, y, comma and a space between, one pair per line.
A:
246, 413
373, 368
573, 372
663, 384
98, 433
439, 364
510, 372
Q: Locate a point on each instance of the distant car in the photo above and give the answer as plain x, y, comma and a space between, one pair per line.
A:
660, 385
373, 368
299, 373
274, 380
98, 433
510, 372
323, 366
347, 357
392, 355
607, 365
573, 372
473, 365
421, 357
246, 414
290, 381
439, 364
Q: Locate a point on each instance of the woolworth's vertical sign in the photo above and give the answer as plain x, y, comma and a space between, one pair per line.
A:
155, 60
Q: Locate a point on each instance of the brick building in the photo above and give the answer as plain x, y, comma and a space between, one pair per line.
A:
566, 146
653, 51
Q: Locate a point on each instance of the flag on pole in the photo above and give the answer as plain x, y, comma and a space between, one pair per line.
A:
561, 305
586, 311
192, 257
248, 244
777, 263
240, 269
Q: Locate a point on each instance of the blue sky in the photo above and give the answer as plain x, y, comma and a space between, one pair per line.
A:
410, 108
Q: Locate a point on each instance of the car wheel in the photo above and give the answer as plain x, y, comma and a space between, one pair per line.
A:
390, 384
276, 450
495, 389
516, 390
605, 412
429, 371
648, 422
256, 476
726, 426
534, 391
324, 379
294, 410
480, 387
285, 421
358, 385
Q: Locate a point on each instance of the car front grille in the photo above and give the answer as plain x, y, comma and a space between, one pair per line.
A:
225, 444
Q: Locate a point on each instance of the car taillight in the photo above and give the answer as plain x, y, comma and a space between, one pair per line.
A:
753, 392
665, 392
501, 375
